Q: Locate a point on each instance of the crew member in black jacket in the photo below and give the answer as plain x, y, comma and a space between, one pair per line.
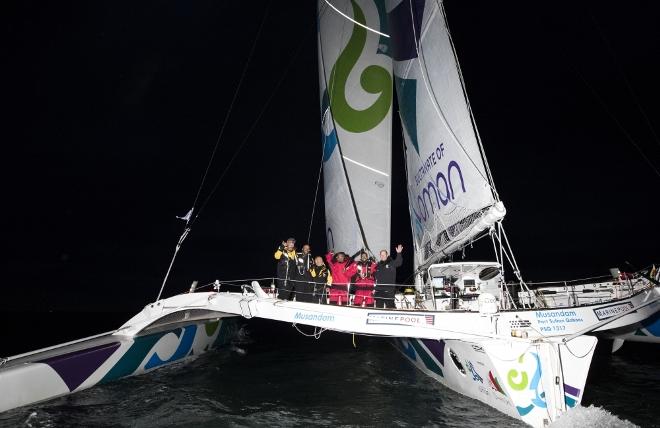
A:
286, 267
302, 277
386, 277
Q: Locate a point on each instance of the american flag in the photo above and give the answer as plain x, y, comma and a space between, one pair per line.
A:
430, 319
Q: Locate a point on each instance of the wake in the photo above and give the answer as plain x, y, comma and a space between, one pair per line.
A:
591, 417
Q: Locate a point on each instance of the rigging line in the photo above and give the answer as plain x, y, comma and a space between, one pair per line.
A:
441, 6
231, 104
184, 235
431, 93
350, 192
616, 121
513, 257
409, 192
169, 268
341, 155
252, 128
633, 94
318, 182
571, 280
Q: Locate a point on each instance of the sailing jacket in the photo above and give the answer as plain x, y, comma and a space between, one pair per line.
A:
341, 271
386, 270
286, 262
321, 274
364, 277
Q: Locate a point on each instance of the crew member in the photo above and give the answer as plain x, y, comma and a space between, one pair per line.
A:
286, 268
302, 278
386, 277
321, 277
341, 270
364, 280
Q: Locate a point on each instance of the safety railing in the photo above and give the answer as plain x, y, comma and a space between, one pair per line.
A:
379, 295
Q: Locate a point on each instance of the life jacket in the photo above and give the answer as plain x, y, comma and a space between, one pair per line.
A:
364, 277
365, 269
286, 262
319, 271
303, 262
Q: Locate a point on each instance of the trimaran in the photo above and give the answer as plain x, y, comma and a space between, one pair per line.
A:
604, 289
462, 327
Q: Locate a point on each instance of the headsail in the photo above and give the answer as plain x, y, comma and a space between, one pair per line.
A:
356, 107
451, 196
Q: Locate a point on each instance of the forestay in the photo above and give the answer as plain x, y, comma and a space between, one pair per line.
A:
356, 107
451, 196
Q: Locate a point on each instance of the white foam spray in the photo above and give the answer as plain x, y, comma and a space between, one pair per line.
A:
588, 417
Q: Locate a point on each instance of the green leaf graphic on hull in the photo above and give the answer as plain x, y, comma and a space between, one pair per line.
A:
374, 80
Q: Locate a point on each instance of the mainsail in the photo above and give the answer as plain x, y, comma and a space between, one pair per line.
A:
451, 195
356, 113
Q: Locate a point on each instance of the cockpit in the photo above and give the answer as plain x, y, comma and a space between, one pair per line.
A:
459, 285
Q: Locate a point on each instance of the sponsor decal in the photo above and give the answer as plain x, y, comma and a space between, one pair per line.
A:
571, 395
555, 314
475, 375
400, 319
315, 316
556, 321
502, 399
408, 349
494, 383
612, 310
478, 348
520, 323
520, 383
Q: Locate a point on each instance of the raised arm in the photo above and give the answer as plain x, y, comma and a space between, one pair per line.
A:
280, 251
351, 268
399, 257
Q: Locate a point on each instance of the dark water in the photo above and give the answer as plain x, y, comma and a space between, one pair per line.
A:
273, 376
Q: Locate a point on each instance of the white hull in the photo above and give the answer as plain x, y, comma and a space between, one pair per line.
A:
647, 331
549, 324
156, 337
175, 328
512, 378
538, 374
606, 292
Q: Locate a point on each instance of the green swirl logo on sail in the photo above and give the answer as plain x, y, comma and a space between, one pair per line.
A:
374, 80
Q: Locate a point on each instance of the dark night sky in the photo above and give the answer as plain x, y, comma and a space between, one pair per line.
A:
112, 110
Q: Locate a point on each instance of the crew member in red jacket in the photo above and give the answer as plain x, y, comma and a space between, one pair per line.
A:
364, 280
342, 271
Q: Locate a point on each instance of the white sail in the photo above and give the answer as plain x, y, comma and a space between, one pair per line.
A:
356, 107
451, 196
